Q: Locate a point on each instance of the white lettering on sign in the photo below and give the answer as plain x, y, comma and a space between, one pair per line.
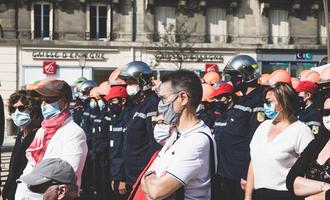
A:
68, 55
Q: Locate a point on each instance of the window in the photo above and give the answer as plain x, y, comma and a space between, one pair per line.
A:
216, 25
98, 21
323, 29
279, 26
164, 18
42, 20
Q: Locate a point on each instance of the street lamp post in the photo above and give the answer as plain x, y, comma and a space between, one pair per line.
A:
82, 63
326, 19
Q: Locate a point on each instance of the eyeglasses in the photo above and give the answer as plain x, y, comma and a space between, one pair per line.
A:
326, 112
20, 108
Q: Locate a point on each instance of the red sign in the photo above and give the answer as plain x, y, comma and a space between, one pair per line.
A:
49, 67
209, 67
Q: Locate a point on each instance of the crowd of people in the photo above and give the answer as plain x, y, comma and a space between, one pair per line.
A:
239, 137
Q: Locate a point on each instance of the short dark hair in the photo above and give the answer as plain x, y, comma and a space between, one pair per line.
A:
188, 81
286, 97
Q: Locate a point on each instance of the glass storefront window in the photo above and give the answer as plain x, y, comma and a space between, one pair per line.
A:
297, 67
269, 67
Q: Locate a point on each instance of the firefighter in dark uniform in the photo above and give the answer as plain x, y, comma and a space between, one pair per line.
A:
115, 117
246, 116
100, 149
308, 112
86, 125
80, 101
139, 143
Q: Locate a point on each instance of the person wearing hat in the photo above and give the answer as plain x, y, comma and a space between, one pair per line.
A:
51, 179
308, 112
116, 113
59, 136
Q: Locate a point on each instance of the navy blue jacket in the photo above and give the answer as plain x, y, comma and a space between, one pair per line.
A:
139, 144
233, 132
311, 117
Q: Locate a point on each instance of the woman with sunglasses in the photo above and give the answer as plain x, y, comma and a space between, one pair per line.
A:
309, 177
276, 145
25, 111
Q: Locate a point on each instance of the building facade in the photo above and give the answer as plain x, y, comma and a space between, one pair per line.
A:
70, 38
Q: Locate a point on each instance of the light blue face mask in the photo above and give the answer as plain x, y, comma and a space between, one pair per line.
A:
161, 132
101, 104
92, 104
50, 110
269, 110
21, 119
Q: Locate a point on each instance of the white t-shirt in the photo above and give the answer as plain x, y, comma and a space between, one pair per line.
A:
187, 160
68, 143
272, 160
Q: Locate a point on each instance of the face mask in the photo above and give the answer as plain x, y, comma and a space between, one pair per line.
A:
101, 104
302, 103
92, 104
166, 109
132, 90
21, 119
326, 122
270, 111
219, 106
114, 107
33, 196
50, 110
161, 132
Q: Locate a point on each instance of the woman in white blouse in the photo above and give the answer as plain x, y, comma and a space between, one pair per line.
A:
276, 145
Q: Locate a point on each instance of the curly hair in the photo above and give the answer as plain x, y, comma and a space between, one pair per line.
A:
29, 99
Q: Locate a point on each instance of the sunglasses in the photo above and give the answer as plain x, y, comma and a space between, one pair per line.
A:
326, 112
20, 108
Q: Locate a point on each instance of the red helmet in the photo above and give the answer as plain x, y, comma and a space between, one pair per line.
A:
116, 91
224, 88
306, 86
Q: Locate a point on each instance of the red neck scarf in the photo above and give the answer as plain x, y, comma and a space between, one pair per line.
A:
36, 151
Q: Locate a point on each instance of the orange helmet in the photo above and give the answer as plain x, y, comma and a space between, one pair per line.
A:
310, 75
263, 80
294, 82
279, 75
325, 75
114, 79
94, 93
211, 77
104, 88
207, 92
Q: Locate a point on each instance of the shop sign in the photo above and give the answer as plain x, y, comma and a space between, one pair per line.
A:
68, 55
49, 67
304, 56
188, 57
209, 67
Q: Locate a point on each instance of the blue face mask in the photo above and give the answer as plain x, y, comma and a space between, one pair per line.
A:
50, 110
21, 119
92, 104
269, 110
101, 104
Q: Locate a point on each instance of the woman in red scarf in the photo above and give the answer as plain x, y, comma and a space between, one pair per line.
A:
59, 136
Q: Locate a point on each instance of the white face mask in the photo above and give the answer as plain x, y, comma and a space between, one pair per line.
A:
33, 196
326, 122
132, 90
161, 133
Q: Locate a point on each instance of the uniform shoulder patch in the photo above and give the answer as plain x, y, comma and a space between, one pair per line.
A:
261, 116
315, 129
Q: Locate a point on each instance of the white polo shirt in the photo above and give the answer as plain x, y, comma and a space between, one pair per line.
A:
187, 160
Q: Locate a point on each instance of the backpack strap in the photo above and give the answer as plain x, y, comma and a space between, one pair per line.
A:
180, 192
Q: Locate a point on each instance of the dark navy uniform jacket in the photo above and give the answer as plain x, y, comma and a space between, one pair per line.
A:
87, 123
100, 131
116, 140
78, 111
233, 132
311, 117
139, 144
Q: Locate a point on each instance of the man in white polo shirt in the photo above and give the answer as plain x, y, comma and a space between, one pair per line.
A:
182, 167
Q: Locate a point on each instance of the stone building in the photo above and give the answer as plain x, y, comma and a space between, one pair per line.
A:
69, 38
